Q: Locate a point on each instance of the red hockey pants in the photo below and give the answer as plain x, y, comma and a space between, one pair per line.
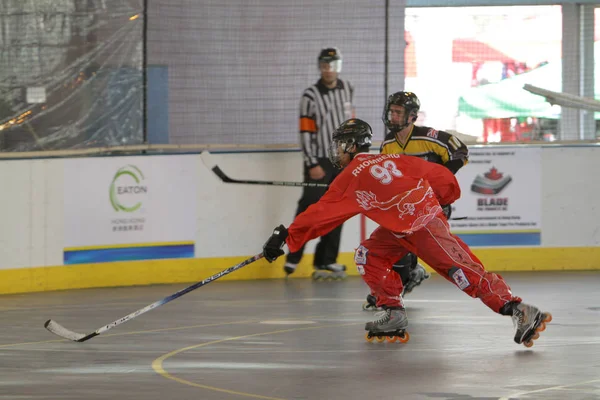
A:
446, 253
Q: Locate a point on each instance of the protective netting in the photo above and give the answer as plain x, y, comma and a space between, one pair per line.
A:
237, 68
71, 74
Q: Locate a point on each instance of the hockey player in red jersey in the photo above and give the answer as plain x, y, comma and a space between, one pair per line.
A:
404, 195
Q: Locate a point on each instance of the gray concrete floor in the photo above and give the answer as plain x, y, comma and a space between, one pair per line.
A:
300, 340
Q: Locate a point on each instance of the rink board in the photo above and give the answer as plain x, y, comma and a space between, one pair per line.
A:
150, 272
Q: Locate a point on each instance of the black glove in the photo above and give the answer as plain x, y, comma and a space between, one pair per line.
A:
447, 209
273, 247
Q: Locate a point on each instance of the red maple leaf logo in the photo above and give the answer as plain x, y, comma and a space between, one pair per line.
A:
493, 174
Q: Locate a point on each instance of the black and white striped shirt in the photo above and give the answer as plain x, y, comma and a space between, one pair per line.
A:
322, 110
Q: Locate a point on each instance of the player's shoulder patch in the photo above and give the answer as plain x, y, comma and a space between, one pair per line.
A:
427, 133
432, 133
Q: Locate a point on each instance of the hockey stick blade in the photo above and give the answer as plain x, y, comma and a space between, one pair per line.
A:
209, 162
63, 332
219, 172
207, 159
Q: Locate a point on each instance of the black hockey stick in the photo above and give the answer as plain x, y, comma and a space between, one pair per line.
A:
212, 165
63, 332
209, 162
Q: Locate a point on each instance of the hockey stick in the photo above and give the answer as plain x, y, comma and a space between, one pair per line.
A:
63, 332
208, 161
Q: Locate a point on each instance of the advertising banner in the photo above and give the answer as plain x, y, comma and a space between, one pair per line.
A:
501, 197
129, 208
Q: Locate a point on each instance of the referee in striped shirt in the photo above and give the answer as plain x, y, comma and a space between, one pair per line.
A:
323, 107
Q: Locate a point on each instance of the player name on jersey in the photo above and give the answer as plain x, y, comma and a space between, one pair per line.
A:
372, 161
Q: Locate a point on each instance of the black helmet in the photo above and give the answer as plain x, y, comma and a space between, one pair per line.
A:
351, 132
411, 105
331, 56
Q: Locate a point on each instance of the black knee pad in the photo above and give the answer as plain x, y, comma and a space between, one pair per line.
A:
409, 260
404, 274
404, 266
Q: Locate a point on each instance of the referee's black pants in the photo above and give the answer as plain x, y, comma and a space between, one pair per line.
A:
328, 247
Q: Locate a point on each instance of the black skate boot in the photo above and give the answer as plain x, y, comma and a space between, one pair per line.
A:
330, 271
528, 320
417, 275
371, 304
391, 323
289, 269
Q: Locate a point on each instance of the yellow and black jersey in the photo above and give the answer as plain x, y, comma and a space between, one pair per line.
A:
429, 144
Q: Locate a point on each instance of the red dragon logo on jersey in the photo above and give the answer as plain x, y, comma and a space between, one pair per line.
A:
405, 203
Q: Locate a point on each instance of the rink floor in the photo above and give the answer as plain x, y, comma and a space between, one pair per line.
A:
299, 339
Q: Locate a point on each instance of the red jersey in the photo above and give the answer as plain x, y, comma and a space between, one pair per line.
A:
400, 193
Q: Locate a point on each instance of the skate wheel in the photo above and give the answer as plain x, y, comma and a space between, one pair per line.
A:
535, 336
369, 338
380, 339
528, 343
317, 276
391, 339
405, 338
541, 328
547, 317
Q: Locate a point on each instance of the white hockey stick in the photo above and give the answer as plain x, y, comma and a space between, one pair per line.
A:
61, 331
210, 163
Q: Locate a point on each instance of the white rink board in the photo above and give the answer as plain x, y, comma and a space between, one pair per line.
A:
501, 190
128, 200
235, 220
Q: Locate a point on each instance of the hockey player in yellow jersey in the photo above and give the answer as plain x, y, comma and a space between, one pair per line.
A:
404, 137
